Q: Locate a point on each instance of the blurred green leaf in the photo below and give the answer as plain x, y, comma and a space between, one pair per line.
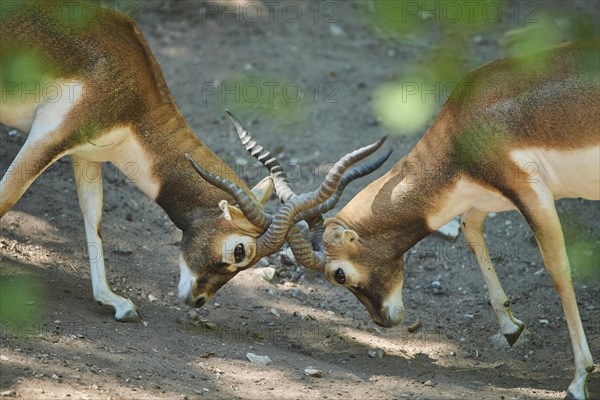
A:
583, 249
256, 95
20, 298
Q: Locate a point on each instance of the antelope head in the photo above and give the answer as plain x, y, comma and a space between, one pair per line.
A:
360, 264
370, 267
245, 232
213, 253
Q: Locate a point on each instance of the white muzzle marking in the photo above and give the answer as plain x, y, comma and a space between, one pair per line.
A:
395, 307
186, 280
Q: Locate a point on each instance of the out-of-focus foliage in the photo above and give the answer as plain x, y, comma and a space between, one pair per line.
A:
257, 95
20, 298
449, 36
27, 66
583, 249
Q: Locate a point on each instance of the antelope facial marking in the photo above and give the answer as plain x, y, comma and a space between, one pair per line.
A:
220, 244
362, 266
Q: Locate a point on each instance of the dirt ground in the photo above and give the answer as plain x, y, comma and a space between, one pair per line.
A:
74, 348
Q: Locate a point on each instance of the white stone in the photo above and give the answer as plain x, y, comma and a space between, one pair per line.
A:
255, 359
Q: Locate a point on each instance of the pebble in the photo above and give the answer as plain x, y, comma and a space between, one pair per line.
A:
310, 371
133, 205
193, 315
267, 273
544, 321
211, 325
428, 383
8, 393
152, 298
287, 257
336, 30
255, 359
437, 287
376, 353
450, 230
275, 313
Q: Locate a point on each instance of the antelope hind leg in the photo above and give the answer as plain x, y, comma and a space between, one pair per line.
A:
539, 211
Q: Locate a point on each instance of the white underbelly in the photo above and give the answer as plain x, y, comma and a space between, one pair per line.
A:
121, 148
467, 194
567, 173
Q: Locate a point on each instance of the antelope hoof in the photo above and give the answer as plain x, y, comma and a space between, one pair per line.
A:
131, 315
512, 337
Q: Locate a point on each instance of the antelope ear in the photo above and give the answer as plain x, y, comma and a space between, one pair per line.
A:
237, 219
263, 190
337, 234
349, 236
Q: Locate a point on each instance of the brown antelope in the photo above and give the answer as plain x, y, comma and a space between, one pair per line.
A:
540, 113
102, 97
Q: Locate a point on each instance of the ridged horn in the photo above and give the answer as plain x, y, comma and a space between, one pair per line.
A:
282, 186
357, 171
251, 211
274, 237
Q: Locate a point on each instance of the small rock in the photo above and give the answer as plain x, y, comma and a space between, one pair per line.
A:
261, 360
272, 292
193, 315
336, 30
315, 373
450, 230
123, 251
376, 353
428, 383
8, 393
287, 257
544, 321
152, 298
267, 273
297, 294
133, 205
437, 287
55, 377
478, 39
275, 313
211, 325
4, 358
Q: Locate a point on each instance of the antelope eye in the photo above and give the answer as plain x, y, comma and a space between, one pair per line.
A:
239, 253
339, 276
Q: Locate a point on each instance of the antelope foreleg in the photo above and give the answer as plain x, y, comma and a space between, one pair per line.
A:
89, 191
472, 227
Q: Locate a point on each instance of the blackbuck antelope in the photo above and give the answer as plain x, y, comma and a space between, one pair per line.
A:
94, 91
517, 133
